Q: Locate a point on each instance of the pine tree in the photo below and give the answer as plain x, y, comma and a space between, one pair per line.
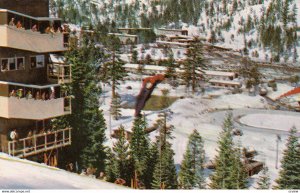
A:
228, 173
264, 179
139, 145
151, 162
285, 13
187, 174
171, 70
238, 174
134, 58
289, 175
110, 166
94, 153
165, 130
115, 107
191, 173
113, 71
164, 176
86, 120
122, 159
193, 64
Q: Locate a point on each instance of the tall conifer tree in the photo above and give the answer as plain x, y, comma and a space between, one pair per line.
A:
193, 65
139, 145
191, 173
264, 179
229, 172
289, 175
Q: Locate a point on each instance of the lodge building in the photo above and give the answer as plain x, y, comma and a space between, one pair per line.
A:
32, 70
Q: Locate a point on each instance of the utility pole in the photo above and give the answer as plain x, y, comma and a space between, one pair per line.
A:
277, 145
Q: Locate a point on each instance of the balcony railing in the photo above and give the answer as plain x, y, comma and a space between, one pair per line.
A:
33, 102
13, 37
40, 143
13, 107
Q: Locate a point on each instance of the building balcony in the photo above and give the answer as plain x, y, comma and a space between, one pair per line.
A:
40, 143
59, 71
29, 40
31, 102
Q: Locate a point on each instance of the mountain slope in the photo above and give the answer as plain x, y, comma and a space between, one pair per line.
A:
265, 30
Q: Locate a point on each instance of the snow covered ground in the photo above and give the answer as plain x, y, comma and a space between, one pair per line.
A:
271, 121
22, 174
206, 113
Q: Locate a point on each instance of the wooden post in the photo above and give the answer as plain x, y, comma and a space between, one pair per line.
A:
34, 139
45, 159
13, 148
70, 141
63, 137
70, 71
9, 150
24, 147
55, 138
63, 73
45, 141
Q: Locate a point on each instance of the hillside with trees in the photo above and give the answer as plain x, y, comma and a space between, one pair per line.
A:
262, 29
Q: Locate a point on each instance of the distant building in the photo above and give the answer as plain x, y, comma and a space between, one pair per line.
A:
30, 91
126, 38
133, 30
178, 32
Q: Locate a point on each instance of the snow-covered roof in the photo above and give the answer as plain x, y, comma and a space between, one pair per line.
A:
225, 82
176, 30
172, 43
57, 59
146, 67
125, 35
219, 73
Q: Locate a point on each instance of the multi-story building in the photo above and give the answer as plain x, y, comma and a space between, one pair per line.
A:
31, 73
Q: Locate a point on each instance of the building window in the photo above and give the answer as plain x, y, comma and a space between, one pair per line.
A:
40, 60
37, 61
33, 62
20, 63
4, 64
12, 63
8, 64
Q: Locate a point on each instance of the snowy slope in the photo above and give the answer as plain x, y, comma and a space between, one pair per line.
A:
206, 115
23, 174
233, 38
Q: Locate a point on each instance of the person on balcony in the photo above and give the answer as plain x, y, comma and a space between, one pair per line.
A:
47, 30
20, 93
29, 141
12, 22
29, 95
38, 95
52, 94
59, 30
13, 135
13, 93
19, 25
34, 28
43, 96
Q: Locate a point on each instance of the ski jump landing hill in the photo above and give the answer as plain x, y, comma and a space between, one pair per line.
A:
22, 174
